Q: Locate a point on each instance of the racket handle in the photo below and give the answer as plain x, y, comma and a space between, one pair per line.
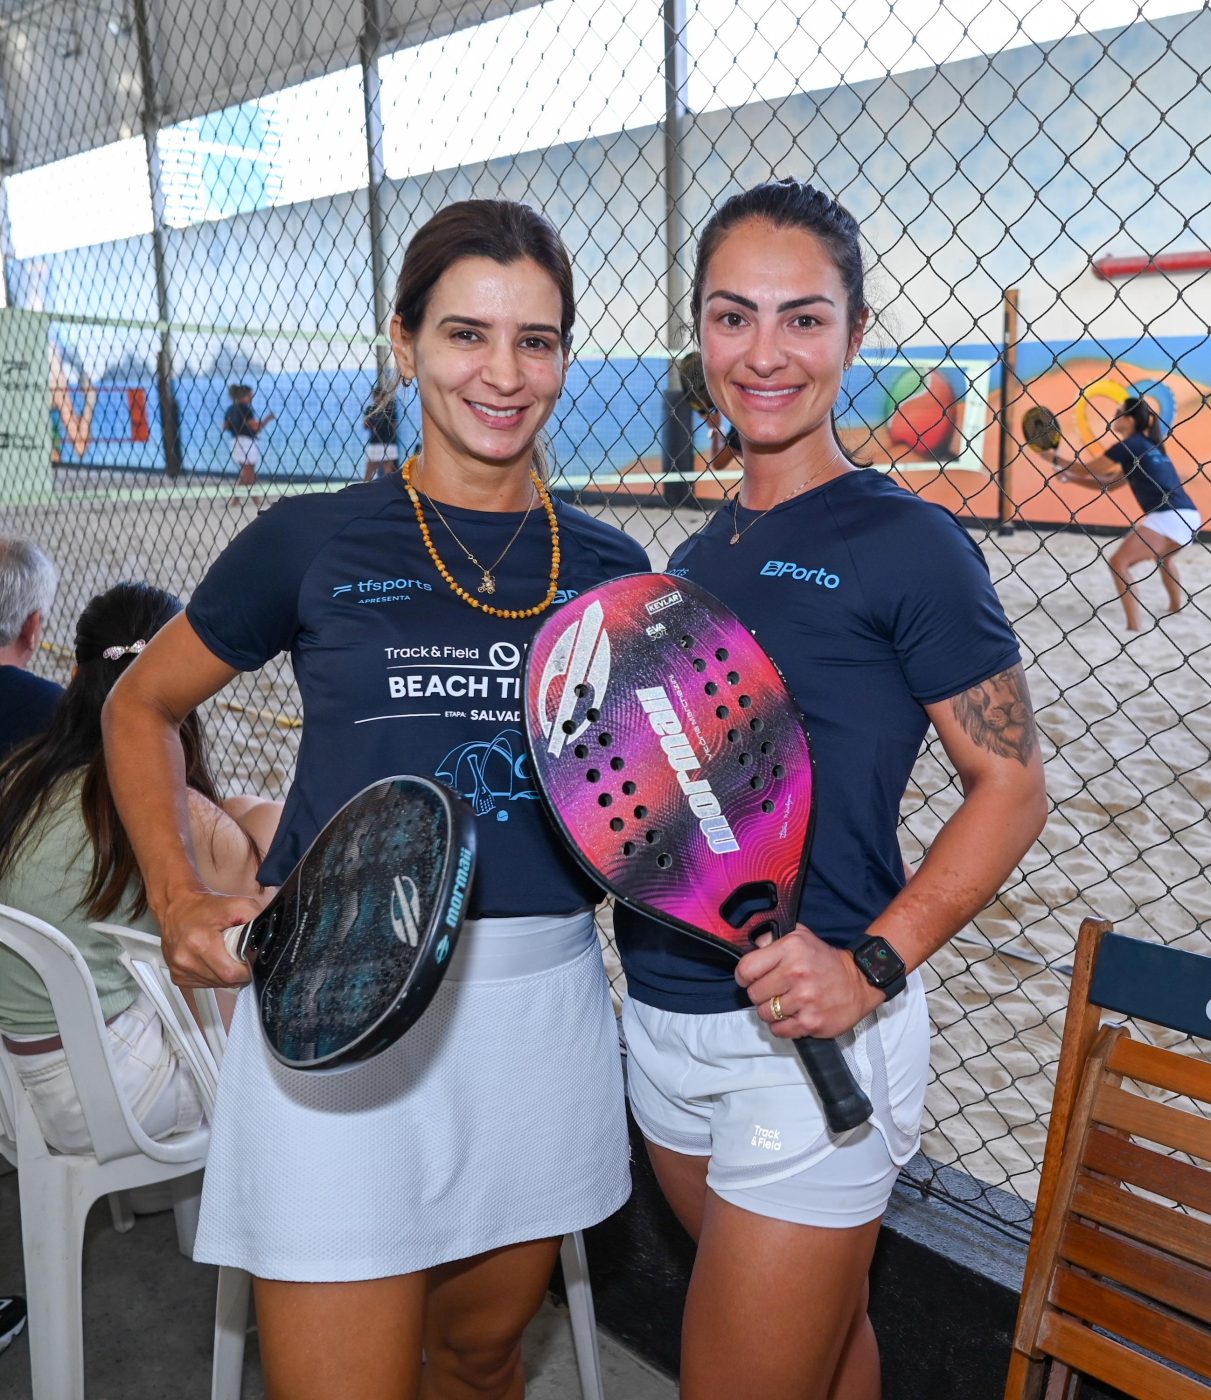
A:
845, 1105
233, 939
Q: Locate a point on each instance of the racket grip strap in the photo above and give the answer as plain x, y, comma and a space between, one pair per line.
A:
234, 940
845, 1105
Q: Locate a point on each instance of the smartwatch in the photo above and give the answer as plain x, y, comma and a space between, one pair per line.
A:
881, 965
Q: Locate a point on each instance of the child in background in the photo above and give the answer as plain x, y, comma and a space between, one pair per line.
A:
244, 426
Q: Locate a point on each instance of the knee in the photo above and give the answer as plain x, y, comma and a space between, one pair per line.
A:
480, 1365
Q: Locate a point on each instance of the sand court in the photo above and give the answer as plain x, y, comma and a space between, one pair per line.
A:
1126, 728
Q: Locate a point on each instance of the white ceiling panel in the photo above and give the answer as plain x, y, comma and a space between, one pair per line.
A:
69, 70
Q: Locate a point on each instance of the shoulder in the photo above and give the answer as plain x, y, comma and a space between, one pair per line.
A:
246, 608
614, 549
1135, 448
27, 702
308, 520
873, 508
61, 822
36, 689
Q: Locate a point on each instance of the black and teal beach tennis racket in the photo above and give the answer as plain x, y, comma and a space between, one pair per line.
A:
354, 943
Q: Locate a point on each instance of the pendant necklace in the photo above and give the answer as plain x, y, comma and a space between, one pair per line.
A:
488, 585
489, 582
738, 533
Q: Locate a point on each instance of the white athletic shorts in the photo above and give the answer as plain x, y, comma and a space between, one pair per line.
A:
245, 452
159, 1088
498, 1118
1180, 526
382, 452
723, 1086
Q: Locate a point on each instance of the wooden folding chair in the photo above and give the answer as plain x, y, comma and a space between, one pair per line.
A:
1118, 1277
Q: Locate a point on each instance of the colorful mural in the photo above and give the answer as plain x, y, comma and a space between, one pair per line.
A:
931, 418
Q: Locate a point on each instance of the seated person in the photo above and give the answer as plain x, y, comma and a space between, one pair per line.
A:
28, 581
65, 858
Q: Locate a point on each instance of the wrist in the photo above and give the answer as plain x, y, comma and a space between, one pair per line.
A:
167, 892
879, 965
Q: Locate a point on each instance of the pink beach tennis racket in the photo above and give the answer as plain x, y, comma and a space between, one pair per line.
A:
675, 762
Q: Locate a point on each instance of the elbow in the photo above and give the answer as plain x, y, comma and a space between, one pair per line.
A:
111, 712
126, 705
1034, 812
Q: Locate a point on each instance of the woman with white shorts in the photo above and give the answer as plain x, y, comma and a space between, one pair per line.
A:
880, 612
417, 1201
1170, 521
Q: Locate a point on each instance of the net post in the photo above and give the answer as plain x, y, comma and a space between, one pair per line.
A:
169, 420
369, 42
6, 228
677, 431
1010, 390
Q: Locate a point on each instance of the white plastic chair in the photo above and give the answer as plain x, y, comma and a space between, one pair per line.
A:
142, 954
199, 1041
57, 1189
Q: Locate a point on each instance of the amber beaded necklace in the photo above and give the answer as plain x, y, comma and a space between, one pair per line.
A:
543, 495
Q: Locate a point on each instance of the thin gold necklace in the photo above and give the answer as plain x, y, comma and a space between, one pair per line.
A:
489, 582
738, 534
553, 586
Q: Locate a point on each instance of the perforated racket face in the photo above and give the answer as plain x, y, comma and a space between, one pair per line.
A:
672, 756
353, 945
1041, 429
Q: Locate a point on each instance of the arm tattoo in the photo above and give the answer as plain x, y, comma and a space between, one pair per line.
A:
997, 716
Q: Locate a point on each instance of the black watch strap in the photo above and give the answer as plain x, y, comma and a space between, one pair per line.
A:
881, 965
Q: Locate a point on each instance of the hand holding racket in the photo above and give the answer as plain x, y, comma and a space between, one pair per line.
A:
674, 761
351, 948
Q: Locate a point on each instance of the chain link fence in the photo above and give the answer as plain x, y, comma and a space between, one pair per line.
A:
201, 194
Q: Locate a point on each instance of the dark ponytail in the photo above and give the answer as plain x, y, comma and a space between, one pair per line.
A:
1144, 418
32, 776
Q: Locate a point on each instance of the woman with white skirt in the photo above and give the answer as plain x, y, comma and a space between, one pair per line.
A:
417, 1201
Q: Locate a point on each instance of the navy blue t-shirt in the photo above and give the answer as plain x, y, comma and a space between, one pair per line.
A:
397, 674
1152, 477
874, 604
238, 420
26, 705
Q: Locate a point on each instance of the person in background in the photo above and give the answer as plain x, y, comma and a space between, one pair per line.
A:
245, 427
725, 444
65, 857
382, 423
28, 581
1135, 458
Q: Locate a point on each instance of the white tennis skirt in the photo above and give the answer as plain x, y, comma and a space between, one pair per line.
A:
497, 1119
1179, 525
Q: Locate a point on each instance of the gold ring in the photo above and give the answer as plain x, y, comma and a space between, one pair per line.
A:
775, 1006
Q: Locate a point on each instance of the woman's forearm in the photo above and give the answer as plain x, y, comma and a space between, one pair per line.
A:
967, 863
